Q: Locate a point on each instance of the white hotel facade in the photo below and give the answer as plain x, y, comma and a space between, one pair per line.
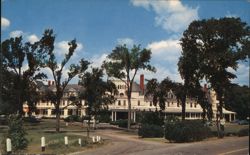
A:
119, 109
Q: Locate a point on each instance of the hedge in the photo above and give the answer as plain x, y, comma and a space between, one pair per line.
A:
186, 131
150, 130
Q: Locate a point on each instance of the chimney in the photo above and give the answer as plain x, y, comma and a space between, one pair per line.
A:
49, 83
142, 83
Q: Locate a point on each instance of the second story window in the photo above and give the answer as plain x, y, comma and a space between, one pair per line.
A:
151, 103
178, 104
191, 104
168, 104
138, 103
119, 102
124, 102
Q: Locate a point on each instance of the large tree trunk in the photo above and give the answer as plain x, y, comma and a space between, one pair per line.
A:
183, 110
58, 116
88, 127
219, 117
129, 110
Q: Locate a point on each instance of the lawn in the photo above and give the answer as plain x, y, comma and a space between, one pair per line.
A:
231, 128
54, 141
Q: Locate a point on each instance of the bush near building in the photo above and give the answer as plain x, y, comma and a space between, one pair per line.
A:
150, 117
123, 123
104, 116
243, 132
150, 131
73, 118
150, 124
186, 131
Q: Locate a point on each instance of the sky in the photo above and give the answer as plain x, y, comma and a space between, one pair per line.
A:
100, 25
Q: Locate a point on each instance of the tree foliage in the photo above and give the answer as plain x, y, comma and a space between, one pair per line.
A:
237, 98
209, 48
159, 91
124, 64
56, 68
97, 93
17, 81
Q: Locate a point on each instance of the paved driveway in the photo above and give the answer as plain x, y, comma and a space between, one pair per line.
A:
127, 144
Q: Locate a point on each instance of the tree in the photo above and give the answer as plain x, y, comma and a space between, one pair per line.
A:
17, 83
237, 99
159, 91
96, 93
56, 68
124, 65
209, 48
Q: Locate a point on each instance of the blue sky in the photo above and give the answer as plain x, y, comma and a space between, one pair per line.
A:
99, 25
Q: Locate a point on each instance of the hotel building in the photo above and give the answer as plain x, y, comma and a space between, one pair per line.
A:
119, 109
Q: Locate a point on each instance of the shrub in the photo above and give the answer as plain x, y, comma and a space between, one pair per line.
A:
150, 130
73, 118
150, 117
104, 116
16, 133
186, 131
121, 123
31, 119
243, 132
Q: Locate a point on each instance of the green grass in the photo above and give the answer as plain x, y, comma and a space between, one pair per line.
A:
54, 141
232, 129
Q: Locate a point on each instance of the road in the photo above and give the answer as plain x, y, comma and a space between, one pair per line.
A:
129, 144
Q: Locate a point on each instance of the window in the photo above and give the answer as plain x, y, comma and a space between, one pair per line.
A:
119, 102
62, 112
63, 102
191, 104
172, 103
138, 103
124, 102
195, 104
151, 103
53, 111
192, 115
178, 104
70, 111
168, 104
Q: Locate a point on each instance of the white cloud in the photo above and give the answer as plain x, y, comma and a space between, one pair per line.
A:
62, 47
242, 74
168, 50
32, 38
4, 23
229, 14
96, 61
16, 33
161, 73
171, 15
128, 41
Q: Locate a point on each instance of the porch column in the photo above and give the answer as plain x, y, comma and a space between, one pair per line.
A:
230, 119
115, 115
134, 116
112, 116
65, 113
49, 113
